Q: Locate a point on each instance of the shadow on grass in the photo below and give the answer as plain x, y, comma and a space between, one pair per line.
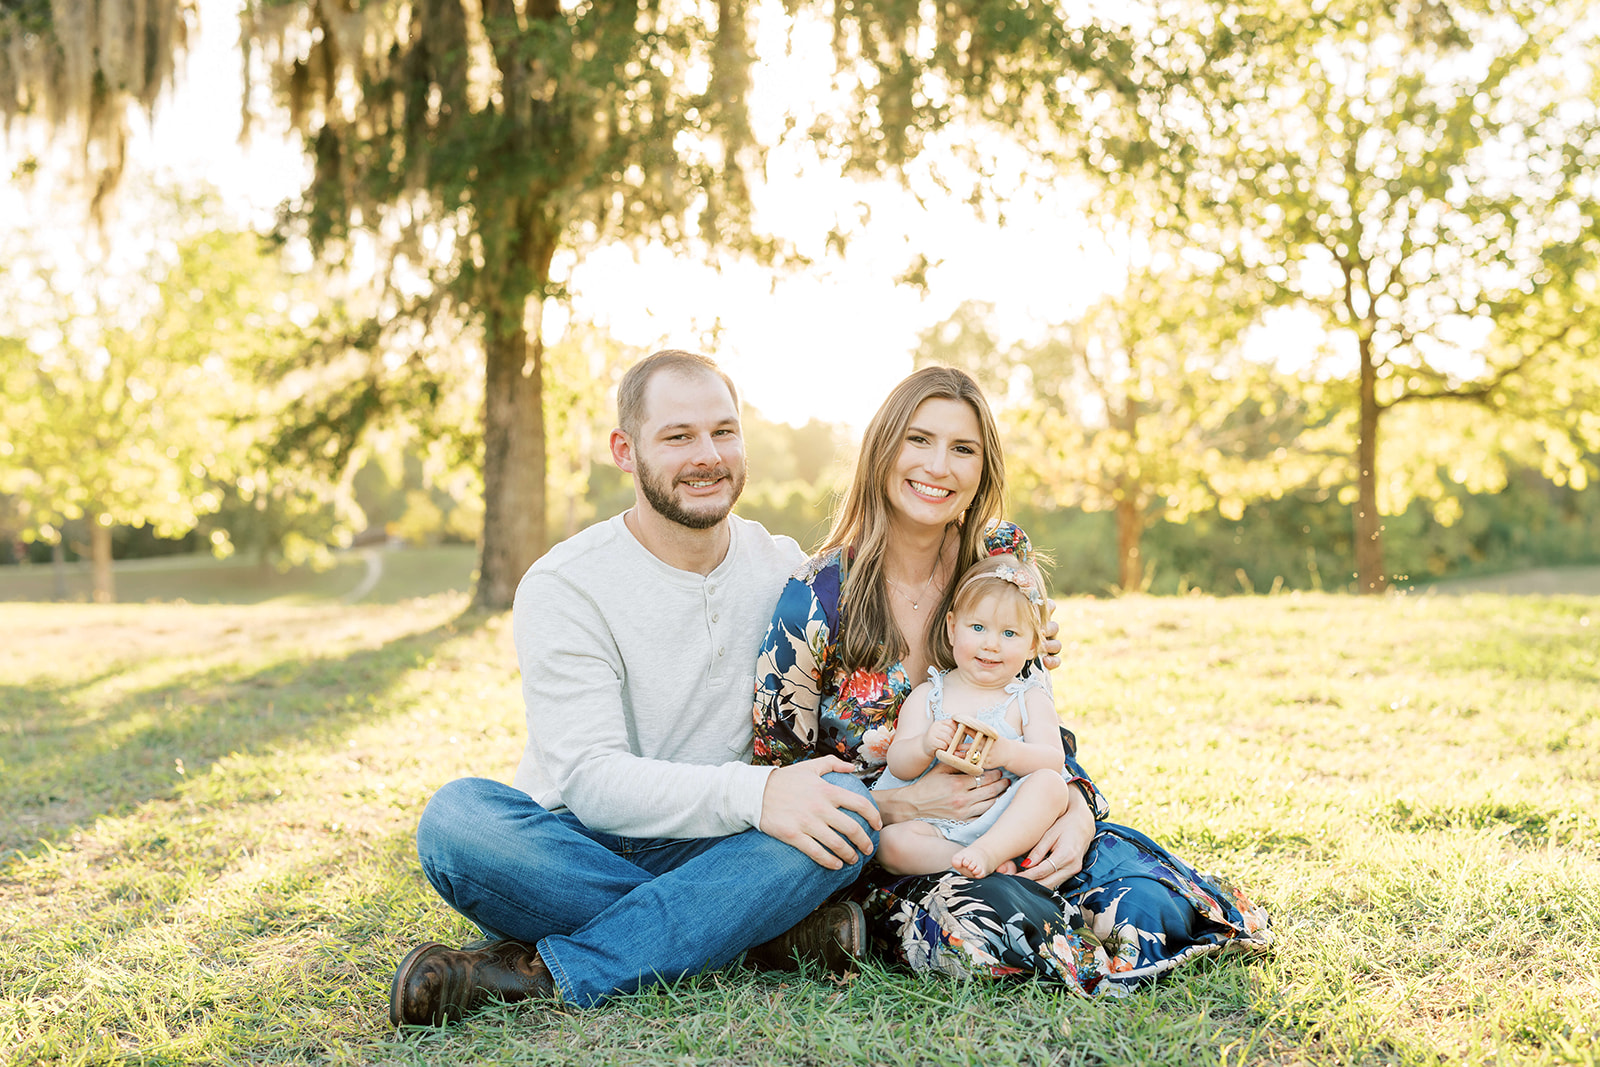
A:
1521, 822
310, 950
64, 764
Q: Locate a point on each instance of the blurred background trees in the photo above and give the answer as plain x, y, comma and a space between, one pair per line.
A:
80, 71
1419, 178
1351, 344
1143, 406
131, 397
475, 142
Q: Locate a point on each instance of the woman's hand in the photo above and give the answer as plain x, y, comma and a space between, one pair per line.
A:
942, 793
1059, 853
1050, 650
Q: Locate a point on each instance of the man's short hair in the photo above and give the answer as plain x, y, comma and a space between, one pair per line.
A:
630, 394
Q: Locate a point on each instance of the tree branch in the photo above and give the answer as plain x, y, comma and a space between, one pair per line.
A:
1482, 391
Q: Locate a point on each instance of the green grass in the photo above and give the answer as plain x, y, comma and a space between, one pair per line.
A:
206, 816
1532, 581
402, 574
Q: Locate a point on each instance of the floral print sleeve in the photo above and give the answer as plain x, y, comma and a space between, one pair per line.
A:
806, 704
791, 668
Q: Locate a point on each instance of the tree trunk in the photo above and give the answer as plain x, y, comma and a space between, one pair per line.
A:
580, 472
1130, 495
1130, 530
513, 445
58, 569
105, 589
1368, 528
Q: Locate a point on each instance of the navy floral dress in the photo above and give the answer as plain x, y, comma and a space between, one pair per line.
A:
1132, 914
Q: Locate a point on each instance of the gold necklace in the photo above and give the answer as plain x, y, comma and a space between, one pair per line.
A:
916, 601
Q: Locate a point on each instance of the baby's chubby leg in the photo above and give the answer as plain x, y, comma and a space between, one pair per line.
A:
1041, 799
913, 847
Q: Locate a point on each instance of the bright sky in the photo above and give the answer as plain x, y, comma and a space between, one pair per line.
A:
827, 343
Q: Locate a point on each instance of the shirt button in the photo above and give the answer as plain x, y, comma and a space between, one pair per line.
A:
719, 651
715, 616
711, 589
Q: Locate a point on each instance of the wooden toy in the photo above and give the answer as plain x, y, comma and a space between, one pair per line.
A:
979, 737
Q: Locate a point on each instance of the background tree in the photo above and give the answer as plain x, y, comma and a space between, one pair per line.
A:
478, 141
1160, 415
1143, 406
128, 397
582, 371
1419, 175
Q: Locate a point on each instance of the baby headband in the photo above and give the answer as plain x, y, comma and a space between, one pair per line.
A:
1017, 577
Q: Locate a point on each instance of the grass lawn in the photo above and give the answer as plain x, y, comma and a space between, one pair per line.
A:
1534, 581
378, 575
206, 817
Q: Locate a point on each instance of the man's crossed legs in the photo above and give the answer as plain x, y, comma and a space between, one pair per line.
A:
607, 914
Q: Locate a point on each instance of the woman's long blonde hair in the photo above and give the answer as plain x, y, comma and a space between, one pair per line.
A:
869, 638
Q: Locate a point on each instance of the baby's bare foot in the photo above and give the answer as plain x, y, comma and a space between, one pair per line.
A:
972, 861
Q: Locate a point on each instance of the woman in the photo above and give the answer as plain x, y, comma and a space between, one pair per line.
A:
1100, 907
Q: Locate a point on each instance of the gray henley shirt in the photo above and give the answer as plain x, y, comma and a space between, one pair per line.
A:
638, 681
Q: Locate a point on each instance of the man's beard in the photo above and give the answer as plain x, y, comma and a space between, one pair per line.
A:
658, 491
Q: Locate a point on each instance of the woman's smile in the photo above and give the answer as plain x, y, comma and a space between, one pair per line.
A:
932, 492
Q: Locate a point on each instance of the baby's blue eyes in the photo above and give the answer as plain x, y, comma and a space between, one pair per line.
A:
977, 628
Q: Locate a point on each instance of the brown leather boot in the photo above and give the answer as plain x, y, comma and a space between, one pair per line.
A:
835, 935
436, 984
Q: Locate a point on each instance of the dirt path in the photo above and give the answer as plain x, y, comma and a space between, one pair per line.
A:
1539, 581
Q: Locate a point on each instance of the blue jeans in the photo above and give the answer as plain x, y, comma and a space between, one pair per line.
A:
610, 914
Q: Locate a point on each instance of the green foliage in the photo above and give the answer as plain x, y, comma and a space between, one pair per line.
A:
1421, 177
796, 474
1299, 541
130, 399
1143, 406
399, 496
581, 374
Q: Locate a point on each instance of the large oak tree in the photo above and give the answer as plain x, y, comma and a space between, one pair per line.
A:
476, 141
1421, 175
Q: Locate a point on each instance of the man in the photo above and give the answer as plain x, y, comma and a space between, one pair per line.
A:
636, 843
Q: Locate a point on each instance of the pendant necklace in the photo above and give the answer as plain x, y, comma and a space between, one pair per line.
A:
916, 601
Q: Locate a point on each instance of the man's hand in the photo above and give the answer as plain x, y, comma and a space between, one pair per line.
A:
800, 809
1050, 649
942, 793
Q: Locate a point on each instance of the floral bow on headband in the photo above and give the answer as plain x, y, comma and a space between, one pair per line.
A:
1017, 577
